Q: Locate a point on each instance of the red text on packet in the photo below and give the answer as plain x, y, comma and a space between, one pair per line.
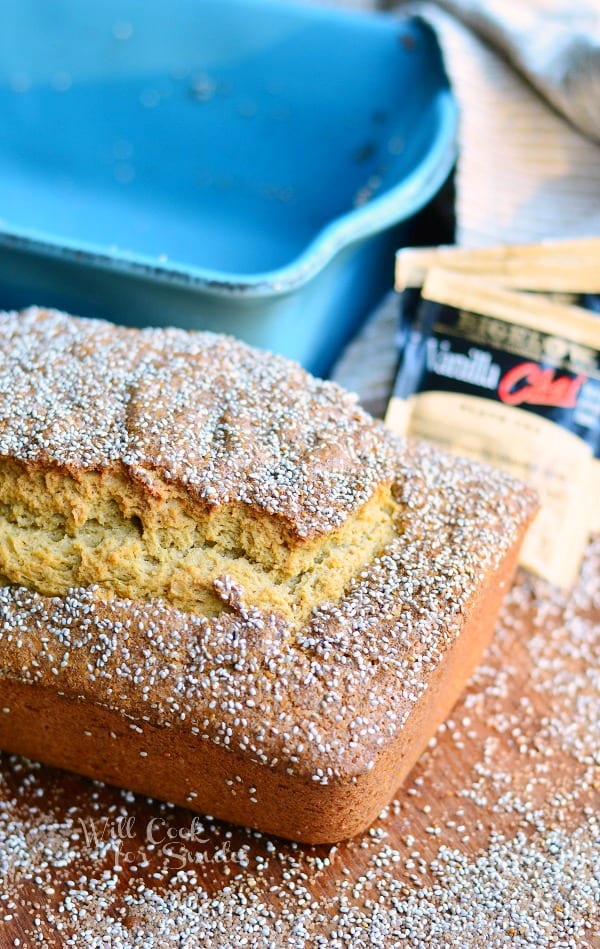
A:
538, 385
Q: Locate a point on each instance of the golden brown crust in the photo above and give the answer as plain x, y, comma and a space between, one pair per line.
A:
176, 765
320, 720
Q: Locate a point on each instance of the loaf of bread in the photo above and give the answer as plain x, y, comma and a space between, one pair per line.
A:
222, 583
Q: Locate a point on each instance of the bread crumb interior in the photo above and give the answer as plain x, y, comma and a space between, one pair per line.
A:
59, 530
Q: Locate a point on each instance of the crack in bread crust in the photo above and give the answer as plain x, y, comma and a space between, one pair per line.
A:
59, 531
220, 421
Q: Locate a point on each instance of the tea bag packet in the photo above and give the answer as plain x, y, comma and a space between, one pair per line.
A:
511, 378
563, 267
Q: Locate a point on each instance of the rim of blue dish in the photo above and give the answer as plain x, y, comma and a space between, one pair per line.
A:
390, 208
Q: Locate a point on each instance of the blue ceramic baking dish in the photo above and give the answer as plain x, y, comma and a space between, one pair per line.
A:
245, 166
